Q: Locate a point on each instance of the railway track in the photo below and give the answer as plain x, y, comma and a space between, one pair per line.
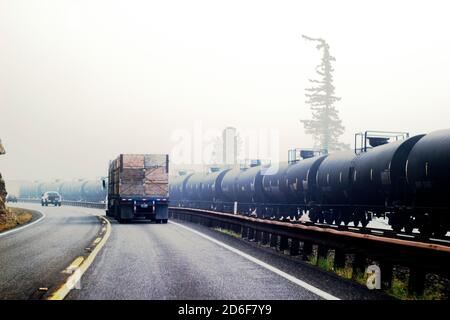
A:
389, 233
374, 234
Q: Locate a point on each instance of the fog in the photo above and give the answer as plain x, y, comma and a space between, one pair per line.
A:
82, 81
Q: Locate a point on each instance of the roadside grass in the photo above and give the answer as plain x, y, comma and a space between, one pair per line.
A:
228, 232
15, 217
325, 264
436, 288
344, 272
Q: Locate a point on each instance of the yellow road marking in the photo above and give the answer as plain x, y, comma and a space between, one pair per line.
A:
74, 265
63, 290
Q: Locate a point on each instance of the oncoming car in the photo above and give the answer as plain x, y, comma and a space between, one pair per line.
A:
51, 197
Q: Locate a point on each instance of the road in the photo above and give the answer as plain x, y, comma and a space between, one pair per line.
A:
143, 260
155, 261
34, 257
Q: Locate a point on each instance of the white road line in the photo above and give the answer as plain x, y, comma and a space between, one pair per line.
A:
283, 274
23, 227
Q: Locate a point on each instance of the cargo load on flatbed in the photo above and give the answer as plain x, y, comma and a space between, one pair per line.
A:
138, 187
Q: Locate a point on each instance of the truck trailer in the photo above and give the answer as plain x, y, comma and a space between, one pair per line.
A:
138, 187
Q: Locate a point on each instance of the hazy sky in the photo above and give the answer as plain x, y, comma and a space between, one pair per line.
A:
82, 81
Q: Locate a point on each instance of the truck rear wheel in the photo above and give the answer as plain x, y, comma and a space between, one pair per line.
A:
164, 221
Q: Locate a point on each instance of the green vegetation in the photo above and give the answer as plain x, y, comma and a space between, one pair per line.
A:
325, 264
399, 287
312, 259
228, 232
344, 272
360, 277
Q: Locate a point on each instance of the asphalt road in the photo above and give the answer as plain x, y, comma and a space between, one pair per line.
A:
143, 260
156, 261
34, 256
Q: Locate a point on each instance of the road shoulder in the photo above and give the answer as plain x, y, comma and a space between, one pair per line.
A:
326, 281
16, 221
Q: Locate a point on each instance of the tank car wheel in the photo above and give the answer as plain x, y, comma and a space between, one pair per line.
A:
395, 222
409, 228
425, 231
364, 222
440, 232
328, 217
346, 221
322, 218
313, 216
337, 217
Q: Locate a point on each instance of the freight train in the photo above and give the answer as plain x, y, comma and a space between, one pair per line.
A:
406, 180
79, 190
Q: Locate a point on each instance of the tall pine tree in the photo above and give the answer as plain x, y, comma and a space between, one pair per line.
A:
325, 126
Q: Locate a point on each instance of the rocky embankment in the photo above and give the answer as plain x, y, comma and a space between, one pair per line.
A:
3, 210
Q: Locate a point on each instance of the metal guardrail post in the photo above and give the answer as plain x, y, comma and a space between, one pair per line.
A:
359, 264
251, 234
307, 250
284, 243
416, 281
386, 275
257, 236
322, 252
273, 240
294, 249
339, 259
265, 238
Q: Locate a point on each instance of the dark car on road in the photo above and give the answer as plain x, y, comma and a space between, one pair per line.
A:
51, 197
11, 199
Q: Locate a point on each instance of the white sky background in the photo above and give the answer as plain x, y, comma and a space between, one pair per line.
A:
82, 81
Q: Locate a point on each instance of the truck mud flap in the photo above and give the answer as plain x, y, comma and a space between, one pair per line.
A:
161, 212
126, 213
